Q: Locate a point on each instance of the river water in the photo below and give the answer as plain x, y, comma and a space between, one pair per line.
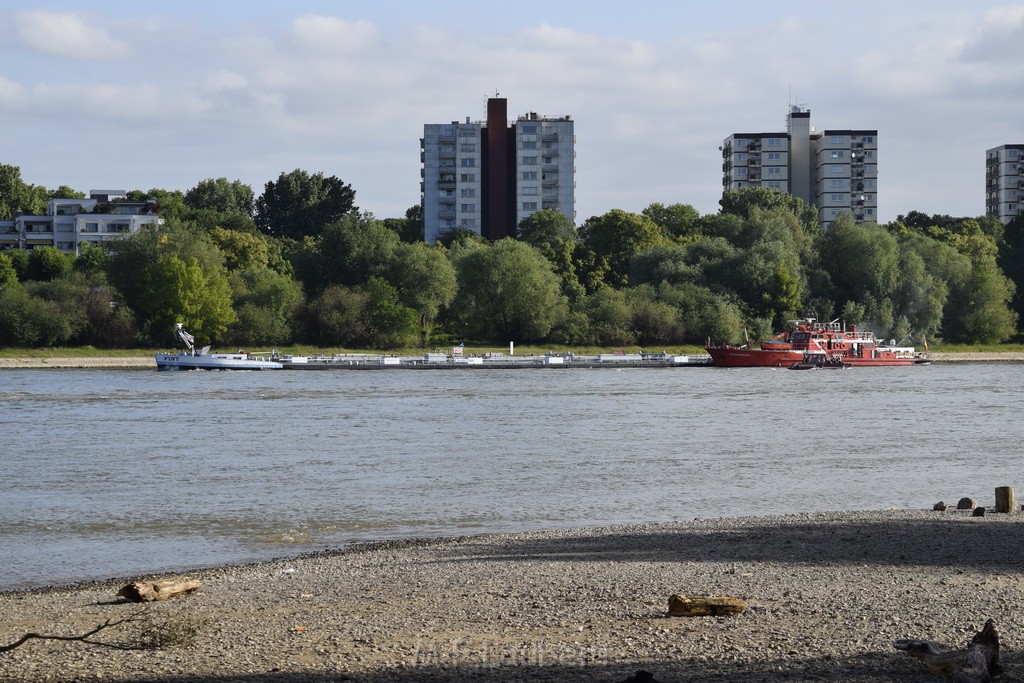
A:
115, 473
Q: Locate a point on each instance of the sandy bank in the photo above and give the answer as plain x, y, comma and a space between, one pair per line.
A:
828, 594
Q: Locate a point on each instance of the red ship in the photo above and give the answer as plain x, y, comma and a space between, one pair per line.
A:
810, 341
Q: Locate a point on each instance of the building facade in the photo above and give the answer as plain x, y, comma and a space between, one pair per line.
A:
69, 224
1004, 182
834, 170
487, 176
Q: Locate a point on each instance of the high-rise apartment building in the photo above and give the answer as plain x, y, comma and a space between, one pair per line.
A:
834, 170
1004, 182
487, 176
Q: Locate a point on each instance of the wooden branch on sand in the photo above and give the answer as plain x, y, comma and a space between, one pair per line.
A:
86, 637
685, 606
149, 591
977, 664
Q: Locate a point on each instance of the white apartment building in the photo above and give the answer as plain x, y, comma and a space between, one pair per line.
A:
1004, 182
833, 170
487, 176
71, 223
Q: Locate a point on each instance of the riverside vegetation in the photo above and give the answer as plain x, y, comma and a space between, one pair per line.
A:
300, 265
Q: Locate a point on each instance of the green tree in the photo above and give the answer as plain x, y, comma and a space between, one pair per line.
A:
48, 263
653, 320
221, 195
553, 235
507, 291
426, 282
618, 236
170, 204
337, 316
611, 319
348, 252
241, 250
91, 259
16, 195
30, 321
679, 221
863, 260
300, 204
741, 202
168, 274
8, 275
267, 304
704, 314
410, 228
389, 323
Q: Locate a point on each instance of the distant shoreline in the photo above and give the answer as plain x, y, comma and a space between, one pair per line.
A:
41, 362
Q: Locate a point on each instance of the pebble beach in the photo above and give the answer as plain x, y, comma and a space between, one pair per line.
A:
827, 594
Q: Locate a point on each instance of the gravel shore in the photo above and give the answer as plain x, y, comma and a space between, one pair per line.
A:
828, 593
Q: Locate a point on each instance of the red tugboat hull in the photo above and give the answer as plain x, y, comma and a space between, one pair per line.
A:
743, 357
829, 341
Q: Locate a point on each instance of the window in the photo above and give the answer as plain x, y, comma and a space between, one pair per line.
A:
548, 161
741, 171
468, 223
468, 177
467, 208
528, 175
529, 191
447, 193
837, 139
774, 142
869, 153
838, 183
838, 197
869, 212
469, 192
528, 161
775, 184
742, 142
836, 154
836, 168
467, 132
774, 170
834, 212
528, 128
469, 163
467, 147
91, 227
1012, 153
528, 145
529, 206
868, 138
774, 156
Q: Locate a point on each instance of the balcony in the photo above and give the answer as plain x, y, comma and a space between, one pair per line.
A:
549, 137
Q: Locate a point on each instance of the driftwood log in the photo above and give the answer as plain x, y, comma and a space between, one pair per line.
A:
150, 591
685, 606
977, 664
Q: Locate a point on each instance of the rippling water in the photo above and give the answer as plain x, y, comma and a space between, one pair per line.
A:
121, 472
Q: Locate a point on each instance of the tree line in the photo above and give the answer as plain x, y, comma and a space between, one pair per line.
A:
301, 263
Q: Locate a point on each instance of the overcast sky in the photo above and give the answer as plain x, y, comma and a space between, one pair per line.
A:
136, 95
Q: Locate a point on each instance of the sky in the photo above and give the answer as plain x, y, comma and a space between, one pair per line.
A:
135, 95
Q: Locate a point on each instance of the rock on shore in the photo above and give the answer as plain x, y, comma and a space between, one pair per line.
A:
827, 595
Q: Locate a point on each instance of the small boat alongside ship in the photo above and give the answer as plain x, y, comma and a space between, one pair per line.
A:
810, 345
204, 360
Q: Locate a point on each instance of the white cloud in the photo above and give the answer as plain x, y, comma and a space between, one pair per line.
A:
64, 34
331, 34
